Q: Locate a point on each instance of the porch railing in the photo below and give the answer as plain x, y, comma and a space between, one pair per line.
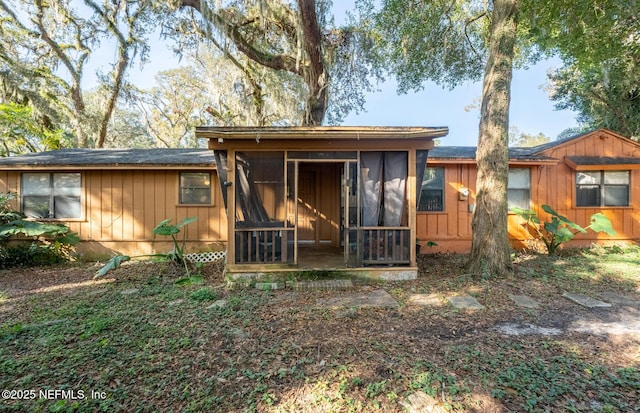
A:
384, 245
263, 245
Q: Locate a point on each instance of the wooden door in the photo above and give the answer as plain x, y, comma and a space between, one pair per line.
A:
307, 208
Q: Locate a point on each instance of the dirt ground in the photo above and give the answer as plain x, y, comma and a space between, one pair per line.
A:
608, 336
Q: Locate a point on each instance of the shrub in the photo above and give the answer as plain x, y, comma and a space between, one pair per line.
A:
25, 242
560, 229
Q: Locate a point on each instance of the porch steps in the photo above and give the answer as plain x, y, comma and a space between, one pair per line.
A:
318, 285
321, 285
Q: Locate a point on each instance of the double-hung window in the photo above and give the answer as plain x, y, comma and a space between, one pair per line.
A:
602, 188
51, 195
195, 188
519, 188
432, 195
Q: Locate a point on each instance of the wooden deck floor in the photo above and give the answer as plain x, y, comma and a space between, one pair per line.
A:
322, 257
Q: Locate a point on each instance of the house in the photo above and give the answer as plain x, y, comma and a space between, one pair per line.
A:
324, 197
302, 197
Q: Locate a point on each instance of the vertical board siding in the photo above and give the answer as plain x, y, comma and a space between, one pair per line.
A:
125, 205
551, 184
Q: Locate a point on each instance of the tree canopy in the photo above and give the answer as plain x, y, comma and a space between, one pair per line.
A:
45, 50
328, 65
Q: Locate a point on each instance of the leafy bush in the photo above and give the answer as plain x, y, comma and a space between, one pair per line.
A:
560, 229
24, 242
163, 228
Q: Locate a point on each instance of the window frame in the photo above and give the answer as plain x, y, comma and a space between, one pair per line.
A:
181, 188
527, 189
602, 188
441, 189
53, 195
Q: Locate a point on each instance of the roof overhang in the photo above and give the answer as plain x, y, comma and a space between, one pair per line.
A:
601, 163
321, 132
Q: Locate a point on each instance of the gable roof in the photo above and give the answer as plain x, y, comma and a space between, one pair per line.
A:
113, 158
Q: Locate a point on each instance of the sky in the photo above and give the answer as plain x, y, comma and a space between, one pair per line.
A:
531, 110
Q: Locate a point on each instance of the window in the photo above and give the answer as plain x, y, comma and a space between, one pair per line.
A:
519, 188
51, 195
432, 193
602, 188
195, 188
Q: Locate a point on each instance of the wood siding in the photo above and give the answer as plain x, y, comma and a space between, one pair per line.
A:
551, 184
121, 208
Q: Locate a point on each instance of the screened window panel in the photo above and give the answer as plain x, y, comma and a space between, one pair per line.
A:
588, 195
432, 194
616, 177
66, 206
588, 178
56, 195
519, 188
36, 184
67, 184
518, 198
34, 206
195, 188
616, 195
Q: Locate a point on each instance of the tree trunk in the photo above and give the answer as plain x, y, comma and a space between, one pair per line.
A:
315, 75
490, 245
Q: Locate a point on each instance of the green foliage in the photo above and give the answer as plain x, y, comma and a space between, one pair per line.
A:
560, 229
21, 131
203, 294
24, 242
164, 228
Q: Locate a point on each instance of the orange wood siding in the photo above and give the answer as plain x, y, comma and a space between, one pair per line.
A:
558, 186
551, 184
451, 228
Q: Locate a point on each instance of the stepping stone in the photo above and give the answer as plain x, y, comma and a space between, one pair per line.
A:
175, 302
466, 302
524, 301
377, 298
270, 286
518, 329
616, 298
585, 300
424, 300
217, 304
421, 402
322, 285
129, 291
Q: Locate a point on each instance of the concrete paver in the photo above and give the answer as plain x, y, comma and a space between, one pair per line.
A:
585, 300
465, 302
524, 301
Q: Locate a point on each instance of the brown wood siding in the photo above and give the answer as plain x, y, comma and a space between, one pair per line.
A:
121, 208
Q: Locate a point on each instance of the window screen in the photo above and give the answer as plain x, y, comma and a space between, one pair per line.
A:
432, 196
195, 188
519, 188
51, 195
602, 188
